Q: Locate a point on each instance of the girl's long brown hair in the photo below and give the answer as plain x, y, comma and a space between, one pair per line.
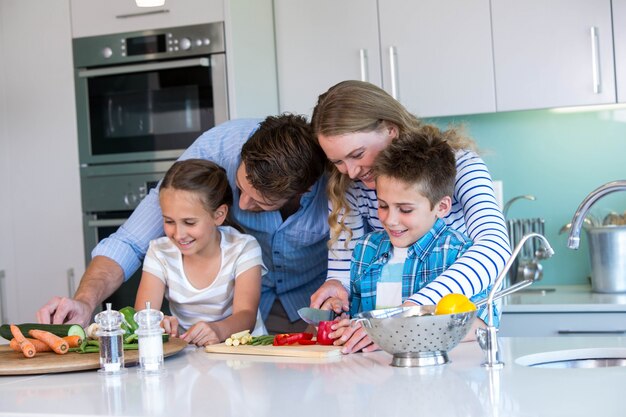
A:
357, 106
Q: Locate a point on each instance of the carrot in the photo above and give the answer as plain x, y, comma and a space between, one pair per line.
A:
73, 341
27, 348
39, 345
57, 344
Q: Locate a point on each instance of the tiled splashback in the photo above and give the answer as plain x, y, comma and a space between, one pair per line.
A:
559, 158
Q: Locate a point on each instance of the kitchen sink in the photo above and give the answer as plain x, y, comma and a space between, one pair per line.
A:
576, 358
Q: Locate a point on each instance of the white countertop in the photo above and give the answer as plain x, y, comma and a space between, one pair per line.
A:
563, 299
202, 384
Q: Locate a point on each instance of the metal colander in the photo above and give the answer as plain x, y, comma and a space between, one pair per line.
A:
415, 336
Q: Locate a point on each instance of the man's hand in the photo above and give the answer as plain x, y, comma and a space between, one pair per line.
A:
61, 310
331, 296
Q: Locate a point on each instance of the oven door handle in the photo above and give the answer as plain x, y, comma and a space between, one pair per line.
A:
126, 69
106, 222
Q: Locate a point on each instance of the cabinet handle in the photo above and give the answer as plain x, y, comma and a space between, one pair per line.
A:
126, 16
71, 288
591, 331
2, 300
595, 61
106, 222
393, 57
363, 61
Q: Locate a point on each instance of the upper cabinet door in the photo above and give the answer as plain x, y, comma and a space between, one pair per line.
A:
552, 53
320, 43
619, 37
437, 55
97, 17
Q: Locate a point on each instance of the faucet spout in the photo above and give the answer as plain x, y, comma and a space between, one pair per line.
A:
573, 240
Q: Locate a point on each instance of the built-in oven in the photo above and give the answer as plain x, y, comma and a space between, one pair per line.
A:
110, 194
144, 96
141, 99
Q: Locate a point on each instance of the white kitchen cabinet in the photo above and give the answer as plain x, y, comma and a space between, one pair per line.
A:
98, 17
441, 52
437, 55
552, 53
40, 217
563, 324
320, 43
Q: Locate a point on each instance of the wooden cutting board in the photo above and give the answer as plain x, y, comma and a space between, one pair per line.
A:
309, 351
14, 363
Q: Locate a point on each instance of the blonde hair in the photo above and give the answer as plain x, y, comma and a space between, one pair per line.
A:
357, 106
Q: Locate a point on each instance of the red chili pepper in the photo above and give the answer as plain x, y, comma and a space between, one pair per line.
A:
297, 337
279, 339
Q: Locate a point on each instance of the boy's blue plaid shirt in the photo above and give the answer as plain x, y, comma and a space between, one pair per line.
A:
426, 259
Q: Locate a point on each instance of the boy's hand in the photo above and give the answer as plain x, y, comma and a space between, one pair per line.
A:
201, 334
170, 325
353, 337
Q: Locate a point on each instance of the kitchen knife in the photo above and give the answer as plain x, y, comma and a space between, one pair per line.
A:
315, 315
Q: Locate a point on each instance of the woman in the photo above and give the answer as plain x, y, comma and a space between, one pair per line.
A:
354, 121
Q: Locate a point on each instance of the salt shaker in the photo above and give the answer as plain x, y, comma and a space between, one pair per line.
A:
111, 344
150, 336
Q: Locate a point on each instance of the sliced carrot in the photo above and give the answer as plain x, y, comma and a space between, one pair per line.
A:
73, 341
57, 344
27, 348
39, 345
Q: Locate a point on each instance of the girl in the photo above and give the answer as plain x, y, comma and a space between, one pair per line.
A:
209, 271
354, 121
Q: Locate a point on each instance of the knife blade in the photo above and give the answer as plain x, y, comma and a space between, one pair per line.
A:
315, 315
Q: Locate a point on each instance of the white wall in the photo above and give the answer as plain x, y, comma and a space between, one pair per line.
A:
40, 216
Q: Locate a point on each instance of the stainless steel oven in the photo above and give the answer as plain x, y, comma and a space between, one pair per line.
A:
144, 96
110, 194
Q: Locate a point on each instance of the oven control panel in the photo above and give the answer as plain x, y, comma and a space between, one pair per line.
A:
106, 188
149, 45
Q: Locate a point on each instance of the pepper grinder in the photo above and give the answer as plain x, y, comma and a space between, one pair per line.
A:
150, 336
111, 345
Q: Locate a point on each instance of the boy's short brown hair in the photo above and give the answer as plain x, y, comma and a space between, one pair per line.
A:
282, 158
422, 158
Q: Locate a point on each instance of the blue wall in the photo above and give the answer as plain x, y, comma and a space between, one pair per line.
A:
559, 158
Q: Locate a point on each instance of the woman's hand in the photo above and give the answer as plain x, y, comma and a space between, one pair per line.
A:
352, 337
331, 296
170, 325
201, 334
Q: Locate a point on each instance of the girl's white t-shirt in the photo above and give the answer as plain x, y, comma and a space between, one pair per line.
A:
189, 304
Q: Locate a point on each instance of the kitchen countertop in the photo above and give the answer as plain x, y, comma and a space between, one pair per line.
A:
564, 299
202, 384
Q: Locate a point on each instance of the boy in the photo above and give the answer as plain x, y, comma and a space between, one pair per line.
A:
415, 177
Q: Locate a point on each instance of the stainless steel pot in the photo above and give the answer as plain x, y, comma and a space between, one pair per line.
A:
607, 251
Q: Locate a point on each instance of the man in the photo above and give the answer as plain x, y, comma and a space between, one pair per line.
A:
276, 169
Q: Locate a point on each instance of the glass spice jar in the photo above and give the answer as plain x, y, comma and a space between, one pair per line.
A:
111, 343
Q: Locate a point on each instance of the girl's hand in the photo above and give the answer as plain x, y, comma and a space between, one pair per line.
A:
201, 334
170, 325
354, 338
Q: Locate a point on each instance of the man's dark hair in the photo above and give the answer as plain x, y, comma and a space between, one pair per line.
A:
282, 158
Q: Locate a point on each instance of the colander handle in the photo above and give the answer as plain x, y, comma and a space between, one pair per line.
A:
359, 320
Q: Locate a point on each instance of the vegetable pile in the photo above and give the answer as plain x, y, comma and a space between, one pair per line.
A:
284, 339
58, 338
63, 338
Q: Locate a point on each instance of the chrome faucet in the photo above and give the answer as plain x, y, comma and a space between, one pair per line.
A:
487, 338
579, 217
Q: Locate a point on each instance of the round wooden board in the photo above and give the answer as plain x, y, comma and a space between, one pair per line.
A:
14, 363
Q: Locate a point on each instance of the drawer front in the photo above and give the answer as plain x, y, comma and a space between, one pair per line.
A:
562, 324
